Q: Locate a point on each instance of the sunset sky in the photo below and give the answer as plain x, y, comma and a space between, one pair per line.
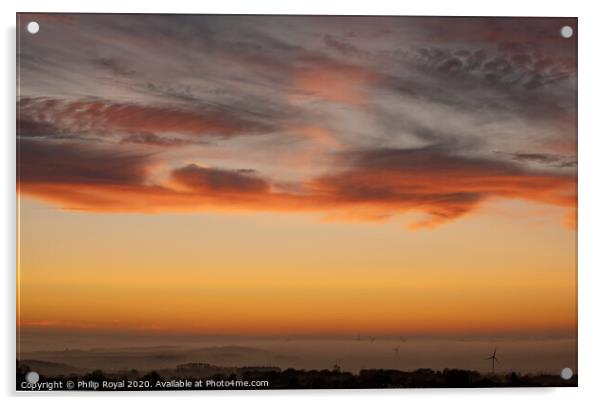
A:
255, 175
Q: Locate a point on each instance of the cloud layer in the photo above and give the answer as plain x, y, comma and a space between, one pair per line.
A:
353, 117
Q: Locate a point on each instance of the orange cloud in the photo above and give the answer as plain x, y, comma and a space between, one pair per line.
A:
562, 145
319, 135
372, 185
38, 116
334, 82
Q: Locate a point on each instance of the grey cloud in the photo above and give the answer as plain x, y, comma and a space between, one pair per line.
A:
546, 158
342, 46
206, 180
59, 162
115, 66
157, 140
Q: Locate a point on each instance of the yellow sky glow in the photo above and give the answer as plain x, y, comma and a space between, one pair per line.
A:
293, 273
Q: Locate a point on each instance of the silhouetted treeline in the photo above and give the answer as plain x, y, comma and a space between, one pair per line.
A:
310, 379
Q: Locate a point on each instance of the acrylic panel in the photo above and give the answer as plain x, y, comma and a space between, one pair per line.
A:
281, 201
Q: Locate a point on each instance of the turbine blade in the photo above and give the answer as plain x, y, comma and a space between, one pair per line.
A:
497, 359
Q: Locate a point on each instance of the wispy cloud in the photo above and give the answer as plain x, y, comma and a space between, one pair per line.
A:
386, 115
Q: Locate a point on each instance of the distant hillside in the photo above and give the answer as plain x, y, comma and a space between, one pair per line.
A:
51, 369
155, 358
299, 379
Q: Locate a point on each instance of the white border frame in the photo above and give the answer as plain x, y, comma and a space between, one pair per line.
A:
590, 201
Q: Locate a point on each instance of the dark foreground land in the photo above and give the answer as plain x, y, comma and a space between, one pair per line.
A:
200, 376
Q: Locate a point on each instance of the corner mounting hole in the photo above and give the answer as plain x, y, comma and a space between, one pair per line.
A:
33, 27
566, 31
566, 373
32, 377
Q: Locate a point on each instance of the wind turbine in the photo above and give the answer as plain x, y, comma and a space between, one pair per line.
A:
493, 359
